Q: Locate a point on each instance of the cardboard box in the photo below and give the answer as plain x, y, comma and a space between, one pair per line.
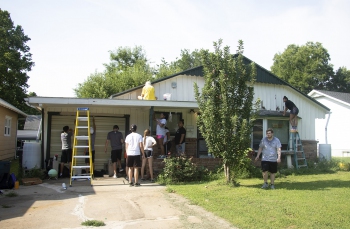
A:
31, 181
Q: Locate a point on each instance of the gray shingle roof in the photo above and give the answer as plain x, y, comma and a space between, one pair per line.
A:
32, 122
345, 97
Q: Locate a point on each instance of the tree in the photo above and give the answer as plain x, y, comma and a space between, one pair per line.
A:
226, 105
128, 68
305, 67
15, 61
340, 82
189, 59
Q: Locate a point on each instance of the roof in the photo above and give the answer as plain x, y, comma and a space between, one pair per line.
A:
5, 104
263, 76
344, 97
196, 71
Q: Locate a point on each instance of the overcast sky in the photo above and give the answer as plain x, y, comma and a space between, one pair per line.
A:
70, 39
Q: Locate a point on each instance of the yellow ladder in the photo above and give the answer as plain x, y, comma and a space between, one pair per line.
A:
76, 146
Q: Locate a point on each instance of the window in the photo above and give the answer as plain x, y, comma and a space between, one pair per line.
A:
172, 126
8, 121
257, 133
280, 130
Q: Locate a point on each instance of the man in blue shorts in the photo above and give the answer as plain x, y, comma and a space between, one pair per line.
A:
270, 147
116, 139
293, 115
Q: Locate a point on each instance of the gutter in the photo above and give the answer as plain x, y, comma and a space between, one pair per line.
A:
329, 115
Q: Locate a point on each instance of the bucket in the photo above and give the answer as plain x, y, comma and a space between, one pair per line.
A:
16, 184
167, 96
31, 155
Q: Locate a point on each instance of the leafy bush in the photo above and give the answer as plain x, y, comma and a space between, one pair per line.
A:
35, 172
94, 223
180, 169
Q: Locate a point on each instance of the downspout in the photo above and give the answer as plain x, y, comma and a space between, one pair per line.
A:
329, 115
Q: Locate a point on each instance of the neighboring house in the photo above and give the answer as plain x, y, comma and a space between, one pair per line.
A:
334, 129
124, 109
8, 125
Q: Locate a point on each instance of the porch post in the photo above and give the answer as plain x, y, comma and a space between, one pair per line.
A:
151, 112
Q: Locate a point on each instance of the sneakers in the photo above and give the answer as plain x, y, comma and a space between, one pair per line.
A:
127, 178
115, 175
143, 179
272, 186
152, 181
137, 184
131, 184
265, 185
121, 170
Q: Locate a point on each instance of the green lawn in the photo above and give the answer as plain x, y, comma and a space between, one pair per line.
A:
304, 201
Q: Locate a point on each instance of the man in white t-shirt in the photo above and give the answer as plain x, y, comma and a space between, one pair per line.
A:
133, 146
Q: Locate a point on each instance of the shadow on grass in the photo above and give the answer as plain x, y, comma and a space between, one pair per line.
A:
308, 185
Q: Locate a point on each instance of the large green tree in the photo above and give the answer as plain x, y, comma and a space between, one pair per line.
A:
128, 68
305, 67
226, 104
15, 61
340, 82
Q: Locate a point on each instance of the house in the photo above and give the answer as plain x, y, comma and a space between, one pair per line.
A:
333, 129
8, 125
124, 108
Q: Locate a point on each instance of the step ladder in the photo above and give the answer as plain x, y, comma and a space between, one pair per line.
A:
295, 145
80, 143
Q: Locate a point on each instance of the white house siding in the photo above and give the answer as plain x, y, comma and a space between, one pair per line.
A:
272, 96
184, 90
337, 129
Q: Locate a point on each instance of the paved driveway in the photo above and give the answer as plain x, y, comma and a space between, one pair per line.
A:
49, 206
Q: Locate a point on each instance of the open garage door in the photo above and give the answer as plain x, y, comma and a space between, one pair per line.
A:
103, 126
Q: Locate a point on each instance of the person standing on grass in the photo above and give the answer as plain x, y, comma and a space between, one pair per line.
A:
148, 143
133, 146
270, 147
117, 141
294, 111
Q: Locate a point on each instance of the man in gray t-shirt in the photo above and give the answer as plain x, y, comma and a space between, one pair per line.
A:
270, 147
116, 140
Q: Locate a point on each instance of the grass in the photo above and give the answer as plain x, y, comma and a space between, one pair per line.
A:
95, 223
11, 194
306, 201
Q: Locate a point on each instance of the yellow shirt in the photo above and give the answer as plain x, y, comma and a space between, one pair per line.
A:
148, 93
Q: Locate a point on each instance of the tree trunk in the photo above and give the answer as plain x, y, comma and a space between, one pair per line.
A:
227, 172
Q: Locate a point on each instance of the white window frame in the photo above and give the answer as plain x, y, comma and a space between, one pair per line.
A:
8, 123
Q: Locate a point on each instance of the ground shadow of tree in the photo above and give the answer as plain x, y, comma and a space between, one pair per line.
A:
309, 185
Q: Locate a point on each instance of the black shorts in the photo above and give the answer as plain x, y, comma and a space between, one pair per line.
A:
66, 156
269, 166
148, 153
93, 157
294, 111
116, 155
134, 161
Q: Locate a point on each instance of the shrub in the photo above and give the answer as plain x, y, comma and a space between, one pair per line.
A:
94, 223
180, 169
35, 172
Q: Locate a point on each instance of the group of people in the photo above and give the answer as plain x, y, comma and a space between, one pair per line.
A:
136, 146
138, 149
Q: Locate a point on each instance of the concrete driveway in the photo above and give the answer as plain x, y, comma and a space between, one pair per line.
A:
47, 206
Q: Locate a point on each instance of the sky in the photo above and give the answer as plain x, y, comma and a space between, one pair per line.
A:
71, 39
